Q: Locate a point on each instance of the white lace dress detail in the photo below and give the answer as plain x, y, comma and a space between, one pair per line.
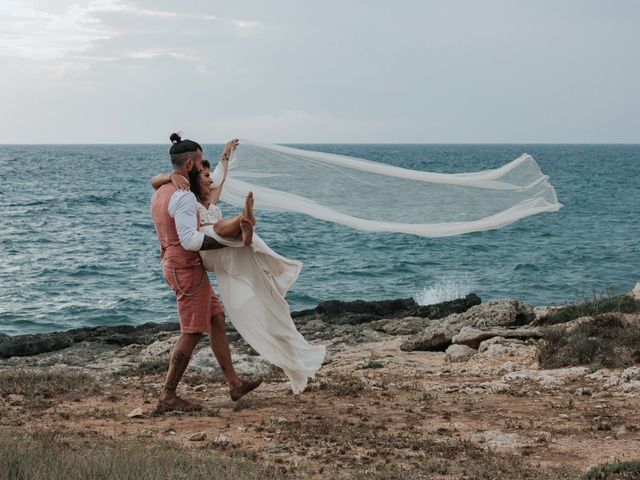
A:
209, 215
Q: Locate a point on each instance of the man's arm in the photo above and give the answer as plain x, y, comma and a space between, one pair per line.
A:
210, 243
178, 180
183, 207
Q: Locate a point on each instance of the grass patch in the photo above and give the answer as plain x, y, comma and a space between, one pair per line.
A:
594, 307
614, 471
604, 341
38, 386
347, 387
45, 457
346, 449
152, 367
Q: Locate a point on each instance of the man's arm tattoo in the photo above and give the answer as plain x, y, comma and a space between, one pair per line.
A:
210, 243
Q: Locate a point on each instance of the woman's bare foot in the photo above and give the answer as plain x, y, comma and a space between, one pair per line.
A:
247, 231
247, 212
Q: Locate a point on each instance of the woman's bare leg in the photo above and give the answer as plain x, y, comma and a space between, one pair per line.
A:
230, 228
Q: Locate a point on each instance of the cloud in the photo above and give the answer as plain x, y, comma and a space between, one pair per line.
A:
39, 35
246, 24
152, 53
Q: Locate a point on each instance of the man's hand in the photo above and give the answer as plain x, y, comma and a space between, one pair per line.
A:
179, 181
210, 243
229, 149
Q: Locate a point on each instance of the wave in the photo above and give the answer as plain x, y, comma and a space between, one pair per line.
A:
443, 290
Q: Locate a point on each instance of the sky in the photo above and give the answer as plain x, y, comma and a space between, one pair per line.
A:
351, 71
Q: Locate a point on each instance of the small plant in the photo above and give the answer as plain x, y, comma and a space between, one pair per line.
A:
373, 364
603, 341
598, 305
614, 471
594, 367
347, 387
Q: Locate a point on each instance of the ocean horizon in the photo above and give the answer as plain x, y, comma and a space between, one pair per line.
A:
79, 249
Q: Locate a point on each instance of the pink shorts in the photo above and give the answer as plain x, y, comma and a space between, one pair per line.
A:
197, 302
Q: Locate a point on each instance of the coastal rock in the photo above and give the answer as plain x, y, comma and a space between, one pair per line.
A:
402, 326
500, 313
360, 311
198, 437
119, 335
498, 439
136, 413
440, 332
499, 346
160, 349
472, 336
244, 364
635, 293
460, 353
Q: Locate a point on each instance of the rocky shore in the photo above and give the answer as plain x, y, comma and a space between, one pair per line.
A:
465, 375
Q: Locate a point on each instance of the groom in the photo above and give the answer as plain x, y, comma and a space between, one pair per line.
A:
174, 214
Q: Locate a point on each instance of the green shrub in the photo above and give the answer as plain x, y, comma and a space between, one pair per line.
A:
604, 341
615, 471
595, 306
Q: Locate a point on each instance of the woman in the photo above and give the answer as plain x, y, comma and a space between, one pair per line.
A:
252, 281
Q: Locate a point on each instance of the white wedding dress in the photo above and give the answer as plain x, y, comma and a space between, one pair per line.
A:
252, 282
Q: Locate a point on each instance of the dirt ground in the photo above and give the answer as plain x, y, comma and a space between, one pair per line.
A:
372, 405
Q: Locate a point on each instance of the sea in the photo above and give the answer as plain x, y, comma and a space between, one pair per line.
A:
77, 246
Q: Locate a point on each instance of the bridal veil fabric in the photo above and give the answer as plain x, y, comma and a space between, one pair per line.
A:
252, 282
377, 197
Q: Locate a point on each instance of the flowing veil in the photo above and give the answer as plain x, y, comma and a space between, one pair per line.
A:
377, 197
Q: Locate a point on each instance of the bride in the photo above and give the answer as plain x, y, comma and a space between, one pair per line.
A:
252, 278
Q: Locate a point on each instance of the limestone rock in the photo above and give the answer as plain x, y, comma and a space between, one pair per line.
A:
198, 437
635, 293
473, 336
460, 353
136, 413
158, 350
501, 346
15, 400
497, 313
249, 365
498, 439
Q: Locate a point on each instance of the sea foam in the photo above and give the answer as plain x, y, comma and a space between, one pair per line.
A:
443, 290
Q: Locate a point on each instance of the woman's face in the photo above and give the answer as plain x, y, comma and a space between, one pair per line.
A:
204, 180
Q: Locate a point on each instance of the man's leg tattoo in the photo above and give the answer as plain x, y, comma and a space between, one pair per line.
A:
180, 362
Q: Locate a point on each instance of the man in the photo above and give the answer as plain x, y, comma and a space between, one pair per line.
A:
174, 214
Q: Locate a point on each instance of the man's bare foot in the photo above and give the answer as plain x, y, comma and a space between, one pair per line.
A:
246, 386
177, 404
247, 231
247, 212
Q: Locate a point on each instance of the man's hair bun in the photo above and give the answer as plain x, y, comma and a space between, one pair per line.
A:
175, 138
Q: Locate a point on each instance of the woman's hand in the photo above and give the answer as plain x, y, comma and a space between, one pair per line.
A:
179, 181
229, 149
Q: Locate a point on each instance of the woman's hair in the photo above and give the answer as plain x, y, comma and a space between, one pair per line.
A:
180, 149
194, 183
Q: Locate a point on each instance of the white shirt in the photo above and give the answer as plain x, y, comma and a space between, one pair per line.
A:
183, 208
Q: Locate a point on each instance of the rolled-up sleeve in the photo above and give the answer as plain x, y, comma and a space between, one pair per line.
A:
183, 207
